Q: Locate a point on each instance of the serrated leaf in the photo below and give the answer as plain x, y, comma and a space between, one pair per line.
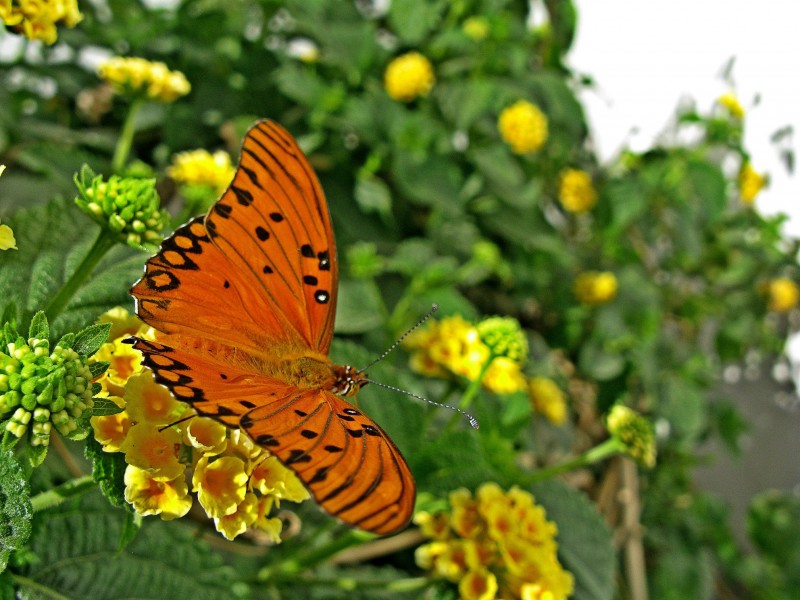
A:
103, 407
36, 455
89, 340
67, 340
108, 470
15, 507
98, 368
585, 545
53, 241
39, 328
77, 547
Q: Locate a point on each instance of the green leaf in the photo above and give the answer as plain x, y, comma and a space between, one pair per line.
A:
39, 328
374, 196
360, 307
15, 507
585, 545
52, 241
104, 407
412, 20
76, 544
108, 470
98, 368
90, 340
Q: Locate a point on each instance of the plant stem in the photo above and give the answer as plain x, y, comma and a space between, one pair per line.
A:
600, 452
62, 492
125, 140
289, 568
471, 392
104, 242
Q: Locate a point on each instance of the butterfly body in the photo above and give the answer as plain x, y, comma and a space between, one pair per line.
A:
244, 301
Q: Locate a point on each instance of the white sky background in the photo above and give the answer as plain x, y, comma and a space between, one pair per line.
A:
647, 55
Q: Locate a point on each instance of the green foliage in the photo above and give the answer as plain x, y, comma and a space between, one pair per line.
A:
15, 507
76, 555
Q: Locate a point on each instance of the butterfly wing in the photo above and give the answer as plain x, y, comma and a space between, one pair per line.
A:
347, 462
260, 266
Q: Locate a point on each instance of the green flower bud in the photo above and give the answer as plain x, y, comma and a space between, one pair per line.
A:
634, 432
41, 415
504, 337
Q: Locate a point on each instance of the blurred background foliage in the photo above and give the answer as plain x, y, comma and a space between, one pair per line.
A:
430, 205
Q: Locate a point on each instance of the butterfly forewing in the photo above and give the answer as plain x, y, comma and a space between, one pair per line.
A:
273, 226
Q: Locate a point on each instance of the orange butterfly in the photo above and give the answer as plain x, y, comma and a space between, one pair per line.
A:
244, 299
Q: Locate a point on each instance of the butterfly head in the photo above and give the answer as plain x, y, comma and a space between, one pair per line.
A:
347, 381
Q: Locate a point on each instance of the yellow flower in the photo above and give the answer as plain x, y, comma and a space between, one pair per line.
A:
149, 496
504, 337
123, 323
274, 480
200, 167
499, 544
478, 585
272, 527
731, 102
476, 28
237, 522
220, 485
110, 430
140, 77
751, 182
548, 399
595, 287
783, 294
504, 376
576, 192
150, 402
523, 126
408, 77
7, 239
154, 451
634, 432
206, 435
123, 361
37, 19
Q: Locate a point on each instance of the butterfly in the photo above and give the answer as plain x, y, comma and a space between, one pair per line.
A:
244, 299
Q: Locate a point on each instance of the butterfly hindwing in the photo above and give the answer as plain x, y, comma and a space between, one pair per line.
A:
346, 461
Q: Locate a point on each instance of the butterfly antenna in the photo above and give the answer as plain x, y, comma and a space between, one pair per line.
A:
399, 341
178, 422
472, 420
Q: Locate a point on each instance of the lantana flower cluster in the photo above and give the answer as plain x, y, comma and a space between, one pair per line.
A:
128, 206
37, 19
408, 77
495, 544
236, 482
137, 77
751, 182
201, 167
576, 191
523, 126
455, 347
782, 294
594, 288
634, 433
43, 389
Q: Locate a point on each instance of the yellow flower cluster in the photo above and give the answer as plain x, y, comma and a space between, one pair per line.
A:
200, 167
548, 399
523, 126
476, 28
37, 19
237, 483
751, 182
782, 294
576, 192
454, 346
140, 77
731, 103
593, 288
409, 76
496, 544
7, 240
634, 432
